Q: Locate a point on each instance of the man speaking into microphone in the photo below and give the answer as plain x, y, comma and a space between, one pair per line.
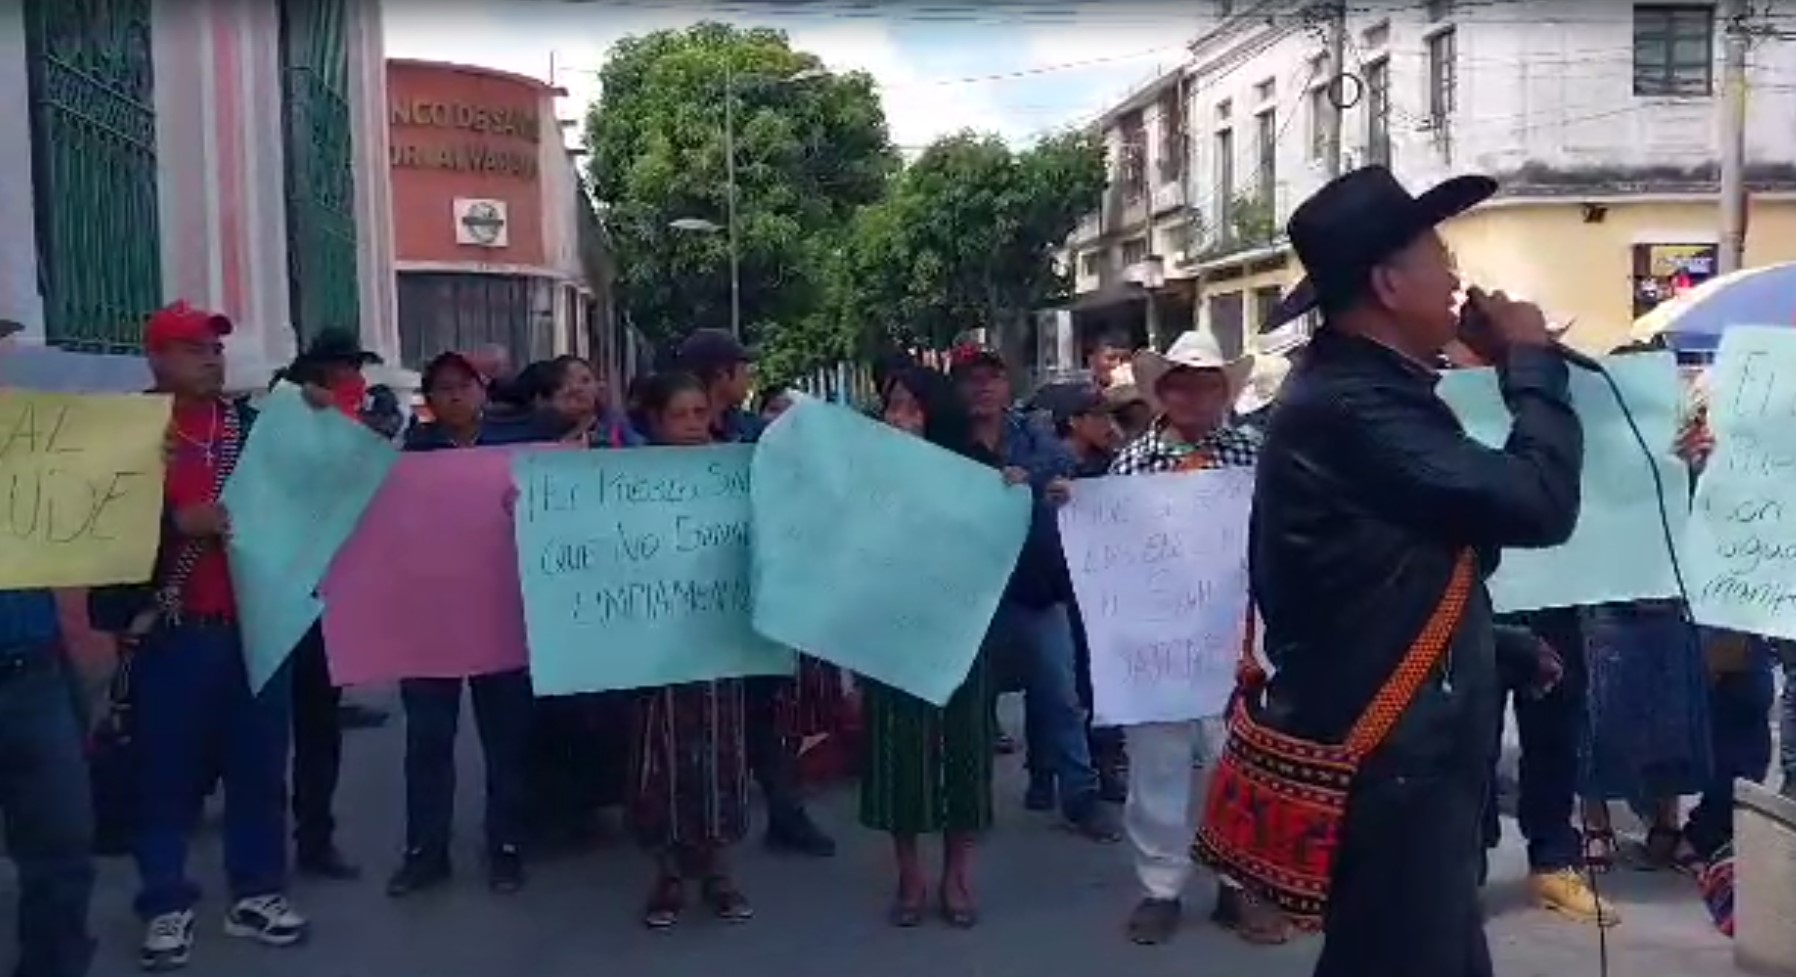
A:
1376, 520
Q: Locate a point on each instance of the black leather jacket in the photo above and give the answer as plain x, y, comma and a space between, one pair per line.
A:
1367, 491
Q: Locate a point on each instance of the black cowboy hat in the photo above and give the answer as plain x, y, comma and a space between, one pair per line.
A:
339, 346
1358, 220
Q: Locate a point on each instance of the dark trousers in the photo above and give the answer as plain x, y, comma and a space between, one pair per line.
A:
502, 718
576, 762
317, 743
1405, 897
194, 718
1548, 728
772, 756
49, 817
1740, 744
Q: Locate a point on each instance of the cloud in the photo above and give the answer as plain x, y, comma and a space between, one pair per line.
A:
918, 108
1016, 77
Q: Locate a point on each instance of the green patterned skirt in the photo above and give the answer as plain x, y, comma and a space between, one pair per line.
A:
928, 769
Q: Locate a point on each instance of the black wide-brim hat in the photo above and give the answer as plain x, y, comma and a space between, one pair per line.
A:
1358, 220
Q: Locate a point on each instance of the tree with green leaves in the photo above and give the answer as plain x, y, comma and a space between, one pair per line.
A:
966, 239
811, 148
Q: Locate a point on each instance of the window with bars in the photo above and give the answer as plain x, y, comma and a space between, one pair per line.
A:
1378, 112
1225, 179
1674, 50
1134, 157
1266, 139
1172, 136
1134, 251
90, 94
320, 165
1318, 111
1443, 76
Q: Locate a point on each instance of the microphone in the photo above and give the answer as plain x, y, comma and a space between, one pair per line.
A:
1472, 318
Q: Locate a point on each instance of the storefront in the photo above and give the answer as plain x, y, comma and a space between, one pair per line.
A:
489, 218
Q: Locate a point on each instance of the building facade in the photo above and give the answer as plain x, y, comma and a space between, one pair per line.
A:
497, 242
1128, 261
224, 152
1599, 120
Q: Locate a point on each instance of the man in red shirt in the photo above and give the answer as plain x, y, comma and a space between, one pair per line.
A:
193, 714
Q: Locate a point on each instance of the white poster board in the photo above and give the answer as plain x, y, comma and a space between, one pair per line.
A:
1159, 565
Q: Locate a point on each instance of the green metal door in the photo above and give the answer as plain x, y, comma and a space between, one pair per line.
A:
93, 170
321, 233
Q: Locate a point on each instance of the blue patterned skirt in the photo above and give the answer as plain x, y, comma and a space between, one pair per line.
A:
1648, 733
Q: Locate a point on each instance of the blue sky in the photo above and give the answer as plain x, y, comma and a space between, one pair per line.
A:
1015, 68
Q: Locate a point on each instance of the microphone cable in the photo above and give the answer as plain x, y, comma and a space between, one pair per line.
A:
1677, 575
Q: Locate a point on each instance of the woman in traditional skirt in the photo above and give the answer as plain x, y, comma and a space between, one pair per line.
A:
689, 776
928, 769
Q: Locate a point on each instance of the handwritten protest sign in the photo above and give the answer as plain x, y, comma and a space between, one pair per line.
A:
878, 551
80, 488
1159, 564
1619, 550
1741, 544
635, 568
302, 483
427, 587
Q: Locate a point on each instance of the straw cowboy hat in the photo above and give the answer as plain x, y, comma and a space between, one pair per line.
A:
1193, 350
1263, 383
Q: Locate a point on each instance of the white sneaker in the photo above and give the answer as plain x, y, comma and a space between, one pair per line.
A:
269, 920
167, 942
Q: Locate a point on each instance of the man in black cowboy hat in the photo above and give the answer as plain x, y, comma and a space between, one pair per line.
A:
333, 361
1368, 495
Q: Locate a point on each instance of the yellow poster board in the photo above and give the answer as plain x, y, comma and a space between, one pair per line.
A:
80, 488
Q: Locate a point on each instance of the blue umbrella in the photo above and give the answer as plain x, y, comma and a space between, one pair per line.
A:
1693, 322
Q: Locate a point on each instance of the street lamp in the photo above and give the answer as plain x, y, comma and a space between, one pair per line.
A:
702, 226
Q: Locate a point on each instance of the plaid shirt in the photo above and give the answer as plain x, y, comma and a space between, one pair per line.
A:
1161, 450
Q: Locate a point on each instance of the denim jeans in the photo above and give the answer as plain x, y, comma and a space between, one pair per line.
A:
193, 717
1740, 735
1054, 718
432, 712
49, 817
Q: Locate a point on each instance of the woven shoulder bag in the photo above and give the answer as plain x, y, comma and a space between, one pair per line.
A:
1273, 815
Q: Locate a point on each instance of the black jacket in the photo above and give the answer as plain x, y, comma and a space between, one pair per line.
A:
1367, 491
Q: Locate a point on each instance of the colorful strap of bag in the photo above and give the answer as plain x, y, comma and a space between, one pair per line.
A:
168, 596
1273, 815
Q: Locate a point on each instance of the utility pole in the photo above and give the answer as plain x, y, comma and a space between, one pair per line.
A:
1733, 137
729, 157
1336, 88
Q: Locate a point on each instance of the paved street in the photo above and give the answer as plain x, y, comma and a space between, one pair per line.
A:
1053, 908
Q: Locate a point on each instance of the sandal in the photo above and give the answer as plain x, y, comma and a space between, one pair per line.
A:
726, 902
666, 901
961, 917
1599, 849
906, 912
1250, 919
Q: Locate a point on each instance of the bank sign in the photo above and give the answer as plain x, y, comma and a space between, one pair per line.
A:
480, 152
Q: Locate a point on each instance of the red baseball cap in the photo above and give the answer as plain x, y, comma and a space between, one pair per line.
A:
182, 323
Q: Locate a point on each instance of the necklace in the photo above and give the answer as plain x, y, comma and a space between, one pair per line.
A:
208, 446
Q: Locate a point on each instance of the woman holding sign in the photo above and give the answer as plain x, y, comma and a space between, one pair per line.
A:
689, 768
928, 769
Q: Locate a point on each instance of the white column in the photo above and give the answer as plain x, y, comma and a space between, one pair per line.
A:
373, 189
19, 299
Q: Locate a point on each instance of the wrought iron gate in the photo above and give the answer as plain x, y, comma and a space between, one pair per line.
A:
321, 231
93, 169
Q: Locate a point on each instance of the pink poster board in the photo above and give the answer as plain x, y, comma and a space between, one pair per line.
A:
428, 585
